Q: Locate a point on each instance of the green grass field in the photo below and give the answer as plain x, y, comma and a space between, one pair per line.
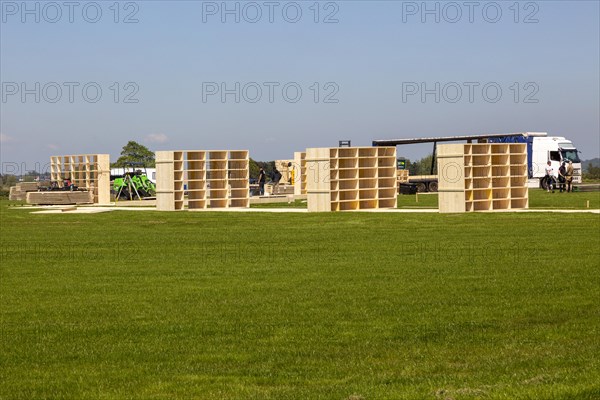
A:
537, 199
148, 305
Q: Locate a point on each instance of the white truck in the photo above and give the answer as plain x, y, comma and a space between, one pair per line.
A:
541, 148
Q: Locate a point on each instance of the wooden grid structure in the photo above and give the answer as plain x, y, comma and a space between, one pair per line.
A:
402, 175
86, 171
351, 178
299, 173
213, 178
482, 177
285, 167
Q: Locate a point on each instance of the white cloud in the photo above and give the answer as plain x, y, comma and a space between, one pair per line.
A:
157, 138
53, 146
6, 138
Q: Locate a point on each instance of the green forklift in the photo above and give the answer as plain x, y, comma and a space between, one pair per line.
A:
134, 184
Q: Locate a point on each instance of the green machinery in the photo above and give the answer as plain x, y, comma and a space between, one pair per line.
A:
133, 184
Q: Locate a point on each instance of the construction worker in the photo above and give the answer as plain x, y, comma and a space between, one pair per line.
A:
276, 177
569, 176
262, 178
549, 177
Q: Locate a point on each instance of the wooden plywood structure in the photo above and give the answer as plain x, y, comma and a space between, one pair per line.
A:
86, 171
213, 178
299, 173
285, 167
238, 178
402, 175
20, 190
60, 197
166, 181
482, 177
351, 178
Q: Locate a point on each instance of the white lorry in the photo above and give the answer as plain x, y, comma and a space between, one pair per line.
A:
556, 149
541, 148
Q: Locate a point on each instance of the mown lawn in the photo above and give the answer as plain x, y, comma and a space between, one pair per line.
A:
538, 198
221, 305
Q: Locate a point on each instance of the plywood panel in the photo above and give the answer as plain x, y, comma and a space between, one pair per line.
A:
60, 197
494, 177
215, 178
299, 169
354, 178
165, 181
90, 172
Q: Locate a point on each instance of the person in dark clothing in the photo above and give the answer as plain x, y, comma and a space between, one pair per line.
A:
276, 177
68, 185
262, 178
562, 177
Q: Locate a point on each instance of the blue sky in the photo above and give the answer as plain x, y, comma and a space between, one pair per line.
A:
367, 66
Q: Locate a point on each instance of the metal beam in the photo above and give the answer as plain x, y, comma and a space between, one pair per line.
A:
433, 158
395, 142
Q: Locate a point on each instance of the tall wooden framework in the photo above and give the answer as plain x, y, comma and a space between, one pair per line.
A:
86, 171
213, 178
351, 178
482, 177
299, 173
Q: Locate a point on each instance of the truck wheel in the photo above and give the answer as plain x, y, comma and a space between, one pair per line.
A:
543, 184
421, 187
432, 186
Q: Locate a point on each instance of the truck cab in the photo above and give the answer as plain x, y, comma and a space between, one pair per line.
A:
556, 150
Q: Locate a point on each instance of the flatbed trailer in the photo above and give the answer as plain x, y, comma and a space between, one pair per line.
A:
536, 158
424, 183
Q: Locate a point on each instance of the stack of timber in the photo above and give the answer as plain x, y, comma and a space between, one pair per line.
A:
19, 192
60, 197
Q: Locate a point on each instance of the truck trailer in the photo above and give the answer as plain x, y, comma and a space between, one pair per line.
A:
541, 148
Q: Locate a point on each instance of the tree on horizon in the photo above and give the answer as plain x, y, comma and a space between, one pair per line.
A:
135, 152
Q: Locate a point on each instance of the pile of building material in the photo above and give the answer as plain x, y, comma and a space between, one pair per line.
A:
85, 171
282, 189
19, 192
60, 197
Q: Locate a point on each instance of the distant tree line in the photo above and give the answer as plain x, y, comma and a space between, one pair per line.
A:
8, 180
255, 167
421, 167
592, 172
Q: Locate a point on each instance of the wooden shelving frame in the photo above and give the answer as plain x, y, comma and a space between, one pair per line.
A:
300, 173
86, 171
214, 178
482, 177
197, 187
239, 178
351, 178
